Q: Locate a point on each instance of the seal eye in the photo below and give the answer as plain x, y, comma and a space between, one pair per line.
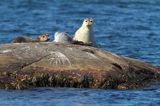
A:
85, 21
91, 21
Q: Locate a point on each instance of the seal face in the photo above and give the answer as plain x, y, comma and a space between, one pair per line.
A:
43, 37
24, 39
62, 37
85, 32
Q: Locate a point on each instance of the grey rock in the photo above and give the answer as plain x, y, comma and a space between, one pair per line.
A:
44, 64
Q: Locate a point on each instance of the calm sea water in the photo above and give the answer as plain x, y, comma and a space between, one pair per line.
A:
126, 27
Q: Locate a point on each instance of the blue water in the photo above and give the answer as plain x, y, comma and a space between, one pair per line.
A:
81, 97
126, 27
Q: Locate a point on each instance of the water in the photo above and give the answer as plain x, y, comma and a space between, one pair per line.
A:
81, 97
126, 27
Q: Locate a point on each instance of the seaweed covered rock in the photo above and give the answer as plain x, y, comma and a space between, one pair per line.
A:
30, 65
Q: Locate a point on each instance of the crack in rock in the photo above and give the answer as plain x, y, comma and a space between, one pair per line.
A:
26, 65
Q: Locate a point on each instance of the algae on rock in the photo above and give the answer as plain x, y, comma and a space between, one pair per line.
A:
29, 65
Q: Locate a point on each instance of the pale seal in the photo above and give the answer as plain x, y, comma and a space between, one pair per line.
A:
85, 32
62, 37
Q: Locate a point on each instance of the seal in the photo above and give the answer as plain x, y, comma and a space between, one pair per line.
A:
23, 39
62, 37
85, 32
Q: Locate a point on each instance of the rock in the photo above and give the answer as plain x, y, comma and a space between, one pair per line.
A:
30, 65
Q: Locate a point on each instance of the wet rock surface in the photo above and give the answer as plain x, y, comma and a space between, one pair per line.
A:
30, 65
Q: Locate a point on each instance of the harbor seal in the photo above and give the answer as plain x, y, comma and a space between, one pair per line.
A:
85, 32
62, 37
24, 39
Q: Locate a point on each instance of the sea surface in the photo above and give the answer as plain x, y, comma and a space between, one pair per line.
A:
126, 27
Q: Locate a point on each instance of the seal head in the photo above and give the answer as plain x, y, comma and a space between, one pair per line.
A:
43, 37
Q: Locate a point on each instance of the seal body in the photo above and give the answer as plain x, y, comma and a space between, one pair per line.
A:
62, 37
85, 32
24, 39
